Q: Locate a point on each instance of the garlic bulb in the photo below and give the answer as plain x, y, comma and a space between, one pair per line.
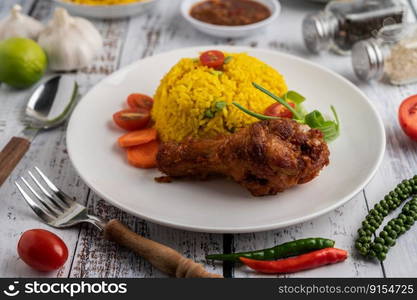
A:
19, 25
71, 43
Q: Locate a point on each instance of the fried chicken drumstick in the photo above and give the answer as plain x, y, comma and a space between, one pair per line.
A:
267, 157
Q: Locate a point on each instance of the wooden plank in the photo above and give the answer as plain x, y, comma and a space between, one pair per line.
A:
163, 31
49, 152
113, 33
179, 34
400, 162
339, 225
98, 258
159, 31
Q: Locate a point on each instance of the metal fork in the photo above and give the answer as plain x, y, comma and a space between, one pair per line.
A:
59, 210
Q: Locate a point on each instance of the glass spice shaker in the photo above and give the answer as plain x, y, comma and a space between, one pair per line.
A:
391, 55
343, 23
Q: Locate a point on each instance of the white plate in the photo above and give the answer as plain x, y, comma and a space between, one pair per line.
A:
231, 31
107, 11
221, 205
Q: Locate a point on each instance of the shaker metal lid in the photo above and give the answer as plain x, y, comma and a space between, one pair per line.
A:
317, 31
368, 60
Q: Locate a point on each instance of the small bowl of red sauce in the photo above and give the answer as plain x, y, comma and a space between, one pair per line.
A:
230, 18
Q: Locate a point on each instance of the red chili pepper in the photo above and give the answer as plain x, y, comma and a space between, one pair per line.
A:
294, 264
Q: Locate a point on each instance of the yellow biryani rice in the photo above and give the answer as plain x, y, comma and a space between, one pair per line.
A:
188, 98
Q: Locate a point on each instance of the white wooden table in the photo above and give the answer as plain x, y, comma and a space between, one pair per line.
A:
158, 31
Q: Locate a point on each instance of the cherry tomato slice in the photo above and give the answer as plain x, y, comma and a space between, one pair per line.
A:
212, 59
407, 116
279, 110
42, 250
140, 101
132, 119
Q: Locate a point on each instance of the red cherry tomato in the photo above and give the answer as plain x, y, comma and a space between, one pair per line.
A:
279, 110
212, 59
140, 101
132, 119
42, 250
408, 116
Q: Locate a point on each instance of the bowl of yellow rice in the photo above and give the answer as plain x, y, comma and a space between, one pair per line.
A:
194, 100
107, 9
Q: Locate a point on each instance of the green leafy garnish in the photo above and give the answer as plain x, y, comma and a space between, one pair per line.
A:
301, 110
314, 119
330, 129
294, 97
209, 113
227, 59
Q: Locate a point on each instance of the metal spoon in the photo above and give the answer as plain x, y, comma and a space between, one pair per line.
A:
49, 106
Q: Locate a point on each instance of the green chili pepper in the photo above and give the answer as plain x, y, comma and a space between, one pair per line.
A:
281, 251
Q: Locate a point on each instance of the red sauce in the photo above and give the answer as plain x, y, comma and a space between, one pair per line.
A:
230, 12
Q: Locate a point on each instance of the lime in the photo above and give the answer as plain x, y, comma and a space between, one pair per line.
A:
22, 62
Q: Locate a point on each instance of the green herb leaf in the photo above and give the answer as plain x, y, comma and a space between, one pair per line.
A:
280, 100
330, 129
295, 97
254, 114
220, 105
336, 117
314, 119
208, 113
227, 59
301, 110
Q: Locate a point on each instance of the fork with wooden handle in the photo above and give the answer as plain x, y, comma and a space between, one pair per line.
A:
59, 210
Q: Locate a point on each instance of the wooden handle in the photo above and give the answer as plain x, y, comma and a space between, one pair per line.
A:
10, 156
161, 257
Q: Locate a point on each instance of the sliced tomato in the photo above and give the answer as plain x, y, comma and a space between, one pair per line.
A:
212, 58
140, 101
132, 119
279, 110
407, 116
